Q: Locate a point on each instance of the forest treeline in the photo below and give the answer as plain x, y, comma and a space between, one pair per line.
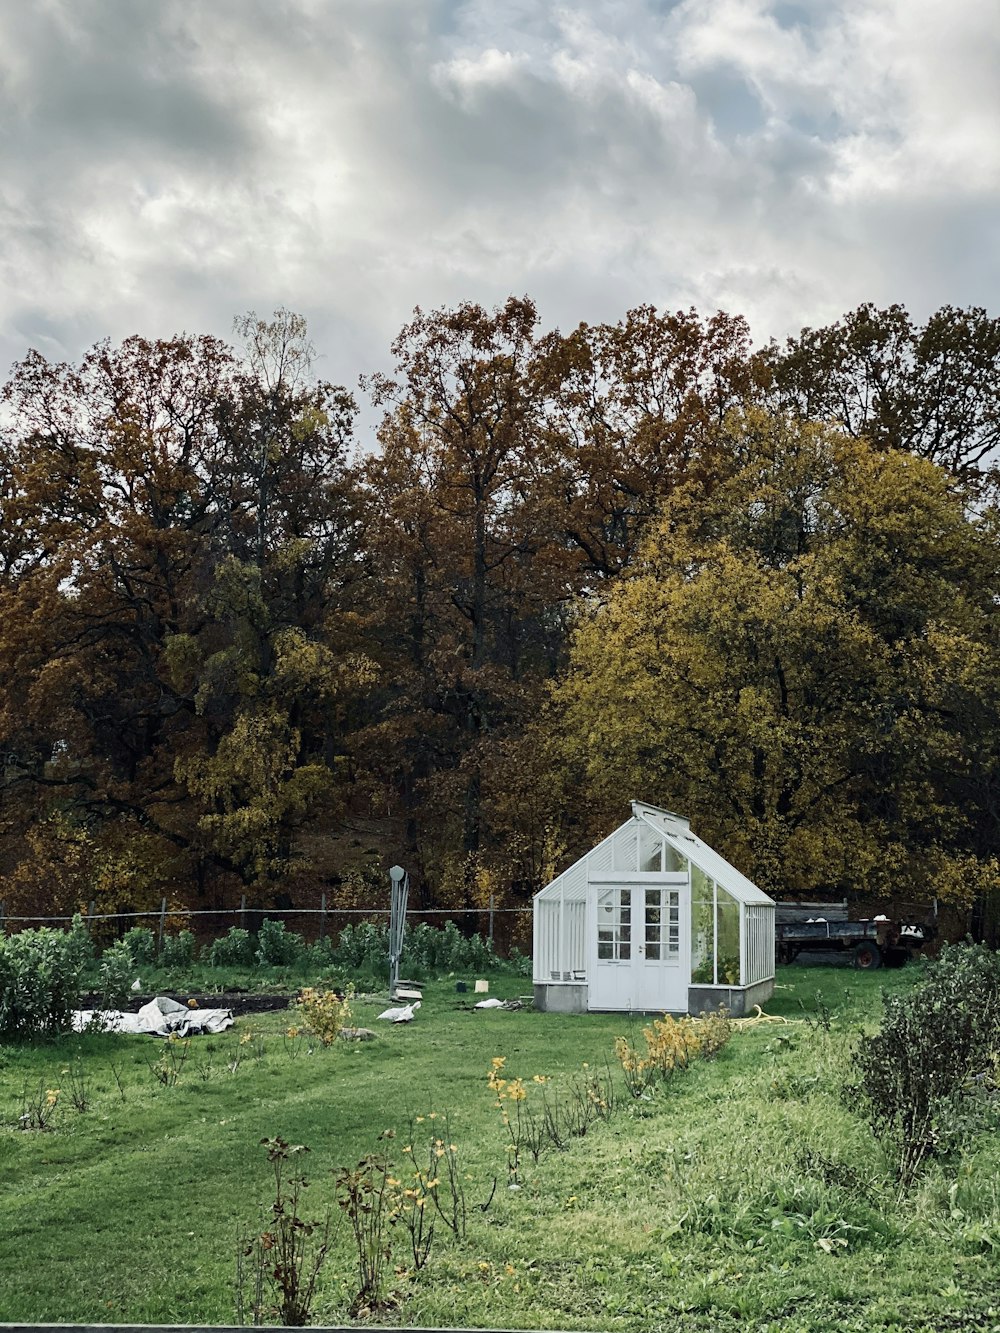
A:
640, 560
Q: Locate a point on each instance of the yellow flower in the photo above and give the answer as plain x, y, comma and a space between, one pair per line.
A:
498, 1061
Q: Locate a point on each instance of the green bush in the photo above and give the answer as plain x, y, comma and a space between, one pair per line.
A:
79, 942
141, 945
364, 946
276, 946
923, 1076
236, 949
115, 975
39, 983
426, 949
178, 951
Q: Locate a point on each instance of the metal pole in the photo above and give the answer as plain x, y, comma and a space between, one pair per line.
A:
90, 917
322, 917
243, 911
163, 922
491, 919
397, 922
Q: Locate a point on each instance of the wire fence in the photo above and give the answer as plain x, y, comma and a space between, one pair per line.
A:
504, 927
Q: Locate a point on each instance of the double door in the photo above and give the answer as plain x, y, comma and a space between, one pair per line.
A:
638, 956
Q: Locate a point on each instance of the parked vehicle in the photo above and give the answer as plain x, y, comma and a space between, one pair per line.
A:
872, 942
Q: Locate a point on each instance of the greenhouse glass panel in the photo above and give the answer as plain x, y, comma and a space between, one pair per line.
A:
727, 938
702, 928
673, 861
650, 849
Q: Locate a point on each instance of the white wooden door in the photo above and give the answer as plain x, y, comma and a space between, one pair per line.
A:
639, 961
659, 963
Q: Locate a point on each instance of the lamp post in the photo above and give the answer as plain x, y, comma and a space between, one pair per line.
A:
397, 923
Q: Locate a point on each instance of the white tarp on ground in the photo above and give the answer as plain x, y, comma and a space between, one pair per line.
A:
159, 1018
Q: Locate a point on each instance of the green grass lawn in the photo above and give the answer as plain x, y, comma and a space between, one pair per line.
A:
745, 1195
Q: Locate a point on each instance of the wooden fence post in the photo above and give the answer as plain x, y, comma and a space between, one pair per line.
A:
163, 922
322, 917
491, 918
90, 917
243, 911
3, 913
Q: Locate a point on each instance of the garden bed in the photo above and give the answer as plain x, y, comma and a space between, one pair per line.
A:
240, 1002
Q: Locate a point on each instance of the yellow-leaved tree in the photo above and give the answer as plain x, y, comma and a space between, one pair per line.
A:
806, 664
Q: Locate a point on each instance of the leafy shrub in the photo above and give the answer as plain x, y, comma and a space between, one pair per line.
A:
141, 945
276, 946
323, 1013
922, 1075
115, 975
178, 950
364, 945
79, 942
322, 953
236, 949
39, 982
671, 1044
426, 949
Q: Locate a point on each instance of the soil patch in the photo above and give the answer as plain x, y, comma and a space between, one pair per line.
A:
240, 1002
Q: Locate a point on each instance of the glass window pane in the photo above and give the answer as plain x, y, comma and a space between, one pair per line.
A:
702, 928
728, 928
653, 951
604, 949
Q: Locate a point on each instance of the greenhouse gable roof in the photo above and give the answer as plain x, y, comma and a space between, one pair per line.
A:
677, 832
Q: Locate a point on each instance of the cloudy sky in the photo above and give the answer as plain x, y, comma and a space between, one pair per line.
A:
168, 164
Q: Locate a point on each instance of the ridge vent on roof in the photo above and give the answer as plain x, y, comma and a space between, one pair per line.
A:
642, 809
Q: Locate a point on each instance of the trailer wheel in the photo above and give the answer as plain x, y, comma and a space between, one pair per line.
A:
867, 956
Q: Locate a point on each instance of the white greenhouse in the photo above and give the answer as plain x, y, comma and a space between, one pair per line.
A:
652, 920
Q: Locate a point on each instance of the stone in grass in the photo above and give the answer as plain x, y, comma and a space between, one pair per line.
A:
357, 1034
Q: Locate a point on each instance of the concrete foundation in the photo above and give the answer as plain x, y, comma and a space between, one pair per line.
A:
561, 999
737, 1000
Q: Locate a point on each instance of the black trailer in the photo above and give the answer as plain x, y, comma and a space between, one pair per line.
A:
801, 927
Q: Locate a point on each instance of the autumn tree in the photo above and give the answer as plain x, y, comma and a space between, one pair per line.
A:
931, 389
636, 408
178, 530
468, 574
806, 664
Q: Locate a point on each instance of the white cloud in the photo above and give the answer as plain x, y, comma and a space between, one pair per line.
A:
169, 166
